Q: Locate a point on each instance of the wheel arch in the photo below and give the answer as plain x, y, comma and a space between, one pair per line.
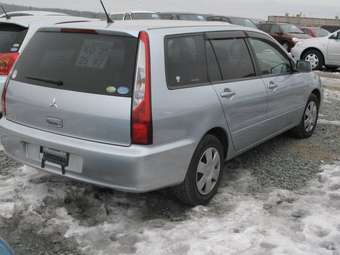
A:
317, 93
222, 135
313, 48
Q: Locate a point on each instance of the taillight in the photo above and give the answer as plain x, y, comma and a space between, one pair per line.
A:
3, 58
7, 61
141, 125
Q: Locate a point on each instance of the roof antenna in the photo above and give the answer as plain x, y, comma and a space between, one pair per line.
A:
108, 18
6, 14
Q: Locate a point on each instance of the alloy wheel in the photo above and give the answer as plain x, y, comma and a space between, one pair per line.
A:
208, 171
310, 117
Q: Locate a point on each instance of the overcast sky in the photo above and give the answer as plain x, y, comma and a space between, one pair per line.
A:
249, 8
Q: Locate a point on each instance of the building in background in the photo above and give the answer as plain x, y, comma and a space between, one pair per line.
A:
329, 24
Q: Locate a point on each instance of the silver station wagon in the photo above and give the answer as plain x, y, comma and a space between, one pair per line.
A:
143, 105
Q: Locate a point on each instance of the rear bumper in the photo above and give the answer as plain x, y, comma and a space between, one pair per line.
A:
133, 169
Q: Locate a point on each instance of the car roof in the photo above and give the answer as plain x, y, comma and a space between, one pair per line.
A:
32, 13
42, 20
133, 27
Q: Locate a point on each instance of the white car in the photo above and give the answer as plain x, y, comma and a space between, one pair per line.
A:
17, 28
320, 52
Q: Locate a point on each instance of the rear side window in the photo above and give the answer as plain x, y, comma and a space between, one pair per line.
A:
11, 37
233, 58
185, 61
90, 63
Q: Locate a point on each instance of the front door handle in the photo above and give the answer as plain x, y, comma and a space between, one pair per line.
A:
272, 85
227, 93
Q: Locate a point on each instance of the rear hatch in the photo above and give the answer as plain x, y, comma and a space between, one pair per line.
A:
76, 83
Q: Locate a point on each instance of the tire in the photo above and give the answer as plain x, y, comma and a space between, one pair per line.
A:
303, 130
191, 191
315, 58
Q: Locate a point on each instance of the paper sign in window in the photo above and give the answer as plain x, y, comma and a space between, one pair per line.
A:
94, 54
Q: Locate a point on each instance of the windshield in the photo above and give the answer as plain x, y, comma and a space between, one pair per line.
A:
242, 22
90, 63
320, 32
292, 29
11, 37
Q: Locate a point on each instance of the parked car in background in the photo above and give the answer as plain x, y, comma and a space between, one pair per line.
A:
245, 22
108, 103
320, 52
17, 29
331, 29
135, 15
315, 31
286, 34
182, 16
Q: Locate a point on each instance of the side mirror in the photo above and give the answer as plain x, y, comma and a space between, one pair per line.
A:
303, 66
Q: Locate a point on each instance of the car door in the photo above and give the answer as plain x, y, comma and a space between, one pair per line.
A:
285, 87
241, 93
333, 50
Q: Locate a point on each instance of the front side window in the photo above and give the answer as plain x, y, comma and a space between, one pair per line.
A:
270, 59
185, 61
233, 58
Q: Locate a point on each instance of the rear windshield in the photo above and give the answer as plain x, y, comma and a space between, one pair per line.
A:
90, 63
11, 37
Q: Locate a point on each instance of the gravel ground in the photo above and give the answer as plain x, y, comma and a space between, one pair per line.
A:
282, 197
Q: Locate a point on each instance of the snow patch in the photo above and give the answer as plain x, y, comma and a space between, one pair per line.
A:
7, 210
329, 122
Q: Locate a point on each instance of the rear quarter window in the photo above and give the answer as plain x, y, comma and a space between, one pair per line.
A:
185, 60
90, 63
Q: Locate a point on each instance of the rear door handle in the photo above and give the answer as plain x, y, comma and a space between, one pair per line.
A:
272, 85
227, 93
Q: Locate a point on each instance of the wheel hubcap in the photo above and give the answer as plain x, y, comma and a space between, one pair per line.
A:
311, 114
208, 171
313, 60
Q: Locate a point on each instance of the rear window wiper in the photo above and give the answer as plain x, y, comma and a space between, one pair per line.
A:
56, 82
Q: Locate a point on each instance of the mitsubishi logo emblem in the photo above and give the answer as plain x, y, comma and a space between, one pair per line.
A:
54, 103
